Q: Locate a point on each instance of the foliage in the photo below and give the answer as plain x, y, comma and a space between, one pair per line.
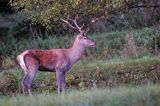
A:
10, 83
109, 45
48, 12
13, 24
121, 13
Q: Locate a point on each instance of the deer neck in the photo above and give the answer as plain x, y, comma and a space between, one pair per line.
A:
76, 52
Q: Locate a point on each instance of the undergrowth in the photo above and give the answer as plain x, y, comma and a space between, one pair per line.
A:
109, 44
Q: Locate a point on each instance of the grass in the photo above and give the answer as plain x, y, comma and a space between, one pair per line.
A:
148, 95
106, 64
106, 73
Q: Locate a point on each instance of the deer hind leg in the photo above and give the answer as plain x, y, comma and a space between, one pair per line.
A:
30, 77
32, 65
20, 59
23, 83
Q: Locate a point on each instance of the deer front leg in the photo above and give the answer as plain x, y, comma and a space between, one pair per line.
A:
59, 77
63, 83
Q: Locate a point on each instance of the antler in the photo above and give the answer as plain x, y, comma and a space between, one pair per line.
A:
75, 23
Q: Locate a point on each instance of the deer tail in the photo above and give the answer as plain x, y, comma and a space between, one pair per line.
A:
21, 60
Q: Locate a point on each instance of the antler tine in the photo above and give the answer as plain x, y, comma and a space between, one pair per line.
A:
75, 23
68, 24
78, 27
82, 26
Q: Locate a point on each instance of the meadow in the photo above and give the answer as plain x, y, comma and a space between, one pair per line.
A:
106, 76
148, 95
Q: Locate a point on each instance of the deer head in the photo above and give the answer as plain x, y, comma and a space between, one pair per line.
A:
81, 37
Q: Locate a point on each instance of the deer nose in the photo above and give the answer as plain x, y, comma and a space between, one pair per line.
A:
93, 44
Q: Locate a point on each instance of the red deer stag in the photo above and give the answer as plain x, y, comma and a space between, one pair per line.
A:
54, 60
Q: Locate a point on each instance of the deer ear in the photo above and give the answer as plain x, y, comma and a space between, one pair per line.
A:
83, 33
80, 35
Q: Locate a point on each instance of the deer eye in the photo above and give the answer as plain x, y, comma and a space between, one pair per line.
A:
84, 37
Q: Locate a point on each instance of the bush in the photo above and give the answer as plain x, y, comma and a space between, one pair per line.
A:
10, 83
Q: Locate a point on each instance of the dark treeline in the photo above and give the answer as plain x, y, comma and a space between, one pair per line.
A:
32, 16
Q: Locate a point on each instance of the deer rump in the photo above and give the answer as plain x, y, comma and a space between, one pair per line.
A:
45, 60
